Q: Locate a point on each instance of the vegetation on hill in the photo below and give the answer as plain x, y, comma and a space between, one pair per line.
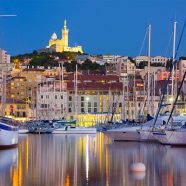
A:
52, 60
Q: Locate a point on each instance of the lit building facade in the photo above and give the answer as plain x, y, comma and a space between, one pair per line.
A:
61, 45
51, 100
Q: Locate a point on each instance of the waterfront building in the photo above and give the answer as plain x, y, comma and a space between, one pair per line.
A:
156, 59
163, 75
17, 110
121, 66
61, 45
159, 59
98, 98
5, 71
51, 100
109, 58
82, 58
22, 87
139, 59
4, 57
182, 67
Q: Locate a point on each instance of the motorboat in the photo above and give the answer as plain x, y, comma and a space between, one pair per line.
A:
39, 127
74, 130
23, 131
8, 133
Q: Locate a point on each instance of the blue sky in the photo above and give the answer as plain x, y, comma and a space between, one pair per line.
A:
100, 26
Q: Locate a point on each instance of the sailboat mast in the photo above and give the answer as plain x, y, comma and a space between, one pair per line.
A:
173, 59
148, 72
76, 93
62, 90
3, 93
123, 103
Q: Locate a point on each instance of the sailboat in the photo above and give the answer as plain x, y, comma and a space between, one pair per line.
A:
169, 134
131, 133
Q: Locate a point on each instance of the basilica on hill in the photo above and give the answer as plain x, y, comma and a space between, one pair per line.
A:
61, 45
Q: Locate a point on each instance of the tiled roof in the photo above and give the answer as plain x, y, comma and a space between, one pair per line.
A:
96, 86
95, 77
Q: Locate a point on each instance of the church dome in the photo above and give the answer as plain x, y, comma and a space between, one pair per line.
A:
54, 36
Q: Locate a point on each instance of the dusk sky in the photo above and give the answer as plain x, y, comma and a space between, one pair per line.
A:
100, 26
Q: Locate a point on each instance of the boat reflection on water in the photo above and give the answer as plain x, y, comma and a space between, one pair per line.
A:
90, 160
8, 166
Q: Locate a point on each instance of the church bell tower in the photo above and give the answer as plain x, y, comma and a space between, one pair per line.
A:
65, 34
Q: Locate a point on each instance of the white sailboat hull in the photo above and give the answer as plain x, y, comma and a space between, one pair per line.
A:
125, 134
76, 130
150, 136
175, 138
8, 136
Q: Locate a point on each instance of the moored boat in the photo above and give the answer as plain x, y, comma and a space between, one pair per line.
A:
74, 130
8, 133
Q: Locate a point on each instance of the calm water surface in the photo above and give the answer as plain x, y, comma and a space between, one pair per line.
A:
80, 160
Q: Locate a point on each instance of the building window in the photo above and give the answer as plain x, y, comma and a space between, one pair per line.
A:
89, 109
89, 104
55, 96
41, 96
61, 97
82, 98
95, 109
82, 104
18, 114
95, 104
24, 114
70, 98
82, 110
120, 104
69, 109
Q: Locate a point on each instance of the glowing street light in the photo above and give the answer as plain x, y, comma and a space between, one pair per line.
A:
87, 98
171, 99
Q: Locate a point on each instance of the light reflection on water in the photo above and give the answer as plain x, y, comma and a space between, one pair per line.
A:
79, 160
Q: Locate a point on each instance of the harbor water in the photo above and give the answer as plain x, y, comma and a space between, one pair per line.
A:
80, 160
